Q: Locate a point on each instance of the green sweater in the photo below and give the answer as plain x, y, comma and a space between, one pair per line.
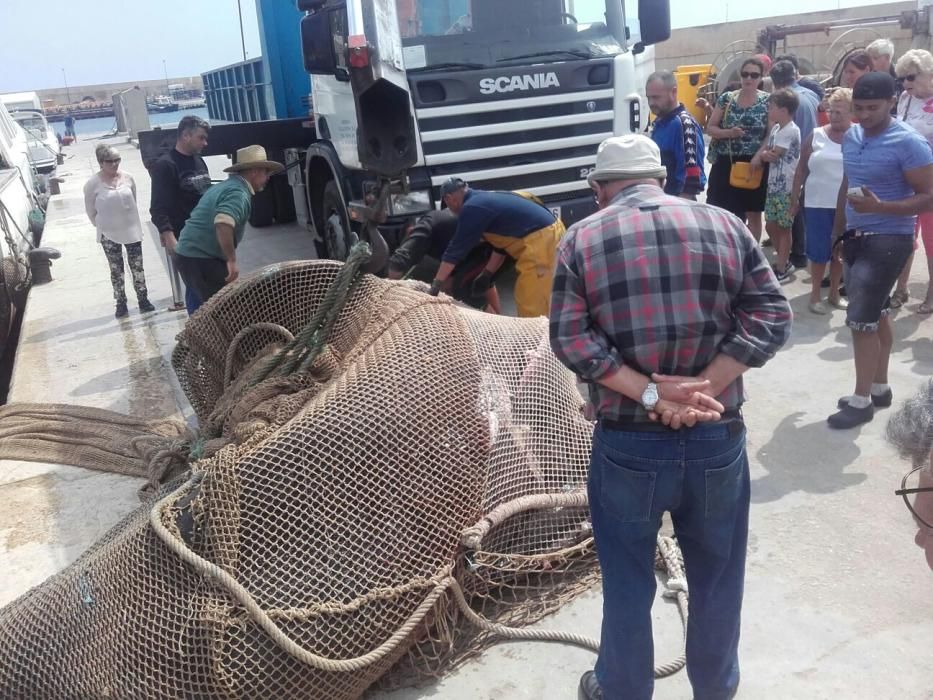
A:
227, 202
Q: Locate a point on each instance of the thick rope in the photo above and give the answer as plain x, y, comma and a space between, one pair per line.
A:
236, 590
307, 345
670, 556
238, 338
472, 537
676, 587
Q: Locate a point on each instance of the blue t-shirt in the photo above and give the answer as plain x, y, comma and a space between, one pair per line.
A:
879, 163
502, 213
805, 117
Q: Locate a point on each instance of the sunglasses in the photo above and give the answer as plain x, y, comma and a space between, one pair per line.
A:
909, 78
755, 76
111, 160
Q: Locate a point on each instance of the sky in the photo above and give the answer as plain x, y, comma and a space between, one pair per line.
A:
96, 41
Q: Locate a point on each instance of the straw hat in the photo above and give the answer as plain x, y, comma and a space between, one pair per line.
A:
630, 157
254, 157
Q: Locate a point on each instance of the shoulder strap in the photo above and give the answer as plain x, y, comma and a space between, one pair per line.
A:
733, 96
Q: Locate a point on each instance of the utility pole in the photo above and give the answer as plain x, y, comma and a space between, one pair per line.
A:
239, 10
165, 73
67, 91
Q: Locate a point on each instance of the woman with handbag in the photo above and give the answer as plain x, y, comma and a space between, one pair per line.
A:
739, 125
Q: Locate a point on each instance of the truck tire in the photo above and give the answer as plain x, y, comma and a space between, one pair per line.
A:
338, 236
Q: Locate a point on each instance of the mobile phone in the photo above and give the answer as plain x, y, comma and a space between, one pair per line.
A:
855, 192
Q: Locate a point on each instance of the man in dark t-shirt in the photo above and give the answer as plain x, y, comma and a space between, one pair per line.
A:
179, 178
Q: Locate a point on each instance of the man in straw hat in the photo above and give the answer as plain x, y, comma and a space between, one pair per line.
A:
661, 304
206, 250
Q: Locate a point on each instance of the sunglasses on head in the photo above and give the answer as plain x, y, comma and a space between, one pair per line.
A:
746, 74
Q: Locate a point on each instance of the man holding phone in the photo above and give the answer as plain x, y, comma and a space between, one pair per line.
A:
888, 180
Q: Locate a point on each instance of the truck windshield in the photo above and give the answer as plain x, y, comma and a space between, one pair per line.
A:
470, 34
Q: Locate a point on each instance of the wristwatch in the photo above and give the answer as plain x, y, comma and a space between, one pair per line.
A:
650, 397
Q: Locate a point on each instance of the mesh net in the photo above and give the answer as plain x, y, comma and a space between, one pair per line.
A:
427, 451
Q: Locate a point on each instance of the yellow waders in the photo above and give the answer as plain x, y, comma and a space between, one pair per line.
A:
535, 258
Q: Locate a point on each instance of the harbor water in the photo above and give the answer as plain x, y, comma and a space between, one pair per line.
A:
105, 125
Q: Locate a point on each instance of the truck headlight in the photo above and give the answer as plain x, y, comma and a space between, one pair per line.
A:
409, 203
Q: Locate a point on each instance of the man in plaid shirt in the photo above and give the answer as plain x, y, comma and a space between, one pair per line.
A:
661, 304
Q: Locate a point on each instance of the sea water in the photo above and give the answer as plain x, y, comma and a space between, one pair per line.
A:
106, 125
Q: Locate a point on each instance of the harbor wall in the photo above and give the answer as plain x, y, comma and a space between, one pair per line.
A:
104, 91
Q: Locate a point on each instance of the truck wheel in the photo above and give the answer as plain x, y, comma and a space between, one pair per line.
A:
338, 236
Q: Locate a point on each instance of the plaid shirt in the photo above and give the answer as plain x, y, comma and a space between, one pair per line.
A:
662, 284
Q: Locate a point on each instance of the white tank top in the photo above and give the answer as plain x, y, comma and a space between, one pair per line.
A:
822, 188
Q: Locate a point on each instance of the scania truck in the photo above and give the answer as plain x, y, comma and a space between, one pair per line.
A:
506, 94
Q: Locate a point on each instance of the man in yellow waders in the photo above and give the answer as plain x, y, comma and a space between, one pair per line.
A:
515, 226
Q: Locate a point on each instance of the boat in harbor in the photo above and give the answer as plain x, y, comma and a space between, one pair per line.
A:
19, 204
161, 103
43, 147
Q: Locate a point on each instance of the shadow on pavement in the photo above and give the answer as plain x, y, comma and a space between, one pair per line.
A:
810, 458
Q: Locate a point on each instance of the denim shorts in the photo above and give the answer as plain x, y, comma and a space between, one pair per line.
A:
872, 265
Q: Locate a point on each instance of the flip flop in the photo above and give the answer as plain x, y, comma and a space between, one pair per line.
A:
898, 299
925, 308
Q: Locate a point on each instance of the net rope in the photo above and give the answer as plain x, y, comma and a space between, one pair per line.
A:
382, 485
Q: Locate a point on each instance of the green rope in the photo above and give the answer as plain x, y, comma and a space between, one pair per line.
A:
301, 352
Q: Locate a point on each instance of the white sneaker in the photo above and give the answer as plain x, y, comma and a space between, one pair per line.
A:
818, 307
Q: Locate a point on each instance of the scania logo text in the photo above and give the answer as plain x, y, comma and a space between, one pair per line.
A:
511, 83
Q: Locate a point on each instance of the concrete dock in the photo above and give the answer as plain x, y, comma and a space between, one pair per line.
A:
839, 597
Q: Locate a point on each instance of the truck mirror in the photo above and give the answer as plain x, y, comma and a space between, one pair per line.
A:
655, 19
317, 44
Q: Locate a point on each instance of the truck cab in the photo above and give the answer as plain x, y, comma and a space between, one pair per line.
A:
507, 94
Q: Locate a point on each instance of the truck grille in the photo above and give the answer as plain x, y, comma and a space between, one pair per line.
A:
543, 144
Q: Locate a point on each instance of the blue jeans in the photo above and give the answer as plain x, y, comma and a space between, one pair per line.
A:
192, 300
701, 476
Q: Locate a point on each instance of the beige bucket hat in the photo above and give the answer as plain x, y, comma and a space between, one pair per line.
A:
254, 157
629, 157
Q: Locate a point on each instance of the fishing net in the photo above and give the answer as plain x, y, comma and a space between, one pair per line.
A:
373, 494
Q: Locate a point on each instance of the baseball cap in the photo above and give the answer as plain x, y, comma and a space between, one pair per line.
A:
874, 86
452, 185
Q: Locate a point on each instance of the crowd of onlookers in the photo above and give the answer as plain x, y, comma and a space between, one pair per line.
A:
840, 177
661, 305
798, 174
